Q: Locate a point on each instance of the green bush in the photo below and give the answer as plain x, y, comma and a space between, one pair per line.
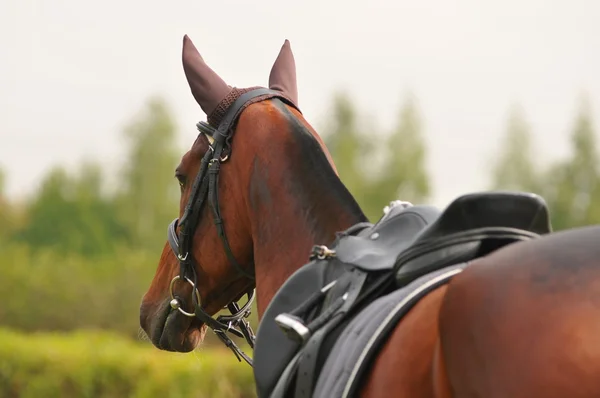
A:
100, 364
45, 290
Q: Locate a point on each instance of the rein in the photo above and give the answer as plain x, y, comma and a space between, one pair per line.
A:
205, 189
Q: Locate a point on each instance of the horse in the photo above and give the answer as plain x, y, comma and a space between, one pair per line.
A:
497, 304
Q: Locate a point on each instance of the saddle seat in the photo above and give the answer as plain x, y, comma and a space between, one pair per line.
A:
472, 226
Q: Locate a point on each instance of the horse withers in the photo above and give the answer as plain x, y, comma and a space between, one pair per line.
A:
511, 315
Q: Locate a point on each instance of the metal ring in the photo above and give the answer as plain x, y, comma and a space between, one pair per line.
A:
175, 303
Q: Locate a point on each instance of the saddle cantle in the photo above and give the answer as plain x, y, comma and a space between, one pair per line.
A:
314, 307
472, 226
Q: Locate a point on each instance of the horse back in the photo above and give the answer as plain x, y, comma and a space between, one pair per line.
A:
524, 321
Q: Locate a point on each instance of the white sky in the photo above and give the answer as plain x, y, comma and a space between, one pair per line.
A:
73, 72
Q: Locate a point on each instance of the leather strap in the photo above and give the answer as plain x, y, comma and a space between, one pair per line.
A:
205, 187
283, 383
305, 377
244, 100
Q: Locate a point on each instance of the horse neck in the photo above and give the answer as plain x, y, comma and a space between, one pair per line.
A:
296, 200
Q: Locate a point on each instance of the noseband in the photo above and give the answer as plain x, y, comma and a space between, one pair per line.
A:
206, 187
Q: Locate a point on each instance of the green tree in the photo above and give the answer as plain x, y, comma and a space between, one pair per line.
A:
148, 196
97, 212
2, 182
376, 169
347, 145
70, 215
572, 184
404, 174
514, 169
50, 213
5, 222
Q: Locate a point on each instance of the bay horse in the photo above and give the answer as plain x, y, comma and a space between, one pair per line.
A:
260, 192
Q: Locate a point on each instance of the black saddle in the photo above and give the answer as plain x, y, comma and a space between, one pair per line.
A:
362, 249
375, 247
369, 261
470, 227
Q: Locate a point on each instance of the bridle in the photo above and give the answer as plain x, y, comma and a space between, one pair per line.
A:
205, 189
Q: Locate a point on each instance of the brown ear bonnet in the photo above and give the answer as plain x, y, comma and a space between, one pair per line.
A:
215, 96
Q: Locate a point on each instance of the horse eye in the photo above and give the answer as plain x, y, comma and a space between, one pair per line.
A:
181, 180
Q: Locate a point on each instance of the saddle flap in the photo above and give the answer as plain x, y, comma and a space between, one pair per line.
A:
376, 248
269, 363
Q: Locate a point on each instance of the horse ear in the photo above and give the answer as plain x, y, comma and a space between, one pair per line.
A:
283, 73
207, 87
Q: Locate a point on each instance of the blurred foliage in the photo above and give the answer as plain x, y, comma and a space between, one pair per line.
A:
571, 184
148, 198
46, 289
72, 213
5, 211
515, 168
568, 185
376, 167
2, 182
97, 365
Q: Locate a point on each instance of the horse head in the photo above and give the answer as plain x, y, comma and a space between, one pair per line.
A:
251, 189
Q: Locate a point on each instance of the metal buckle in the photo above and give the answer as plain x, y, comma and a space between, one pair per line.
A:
175, 303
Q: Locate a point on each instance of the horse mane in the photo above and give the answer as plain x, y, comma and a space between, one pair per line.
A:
316, 175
